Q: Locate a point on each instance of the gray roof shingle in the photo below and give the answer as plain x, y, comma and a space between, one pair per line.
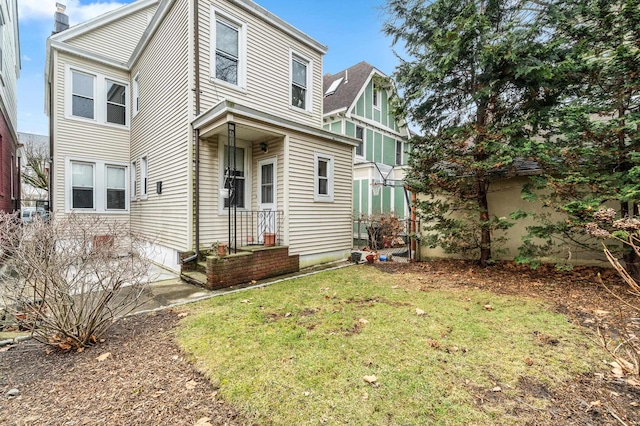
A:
345, 94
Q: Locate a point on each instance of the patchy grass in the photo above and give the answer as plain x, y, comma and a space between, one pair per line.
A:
297, 352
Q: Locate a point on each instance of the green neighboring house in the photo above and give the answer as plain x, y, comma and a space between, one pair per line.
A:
355, 106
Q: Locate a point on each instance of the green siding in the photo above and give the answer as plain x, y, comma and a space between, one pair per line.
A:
369, 148
376, 116
350, 129
356, 197
364, 191
368, 100
336, 127
360, 106
399, 202
385, 108
377, 143
389, 151
376, 203
386, 199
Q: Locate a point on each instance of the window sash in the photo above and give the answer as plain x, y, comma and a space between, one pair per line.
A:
398, 153
82, 95
299, 83
82, 185
116, 103
227, 52
144, 164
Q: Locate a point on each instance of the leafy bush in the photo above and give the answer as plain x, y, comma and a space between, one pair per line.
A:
67, 280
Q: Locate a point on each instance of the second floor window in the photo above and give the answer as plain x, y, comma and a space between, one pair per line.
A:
399, 146
227, 52
82, 103
299, 82
360, 135
116, 103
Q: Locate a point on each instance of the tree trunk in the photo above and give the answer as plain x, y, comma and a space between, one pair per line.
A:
485, 231
630, 257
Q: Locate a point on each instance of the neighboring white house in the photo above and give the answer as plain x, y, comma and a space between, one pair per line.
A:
147, 103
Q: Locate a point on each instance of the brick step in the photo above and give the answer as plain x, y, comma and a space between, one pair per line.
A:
195, 277
201, 266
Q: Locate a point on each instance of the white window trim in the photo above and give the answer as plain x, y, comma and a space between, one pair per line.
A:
375, 90
99, 186
308, 102
12, 177
99, 97
274, 161
242, 49
125, 169
144, 174
136, 95
133, 180
247, 178
330, 172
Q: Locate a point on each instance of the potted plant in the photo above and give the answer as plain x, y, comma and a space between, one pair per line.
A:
220, 248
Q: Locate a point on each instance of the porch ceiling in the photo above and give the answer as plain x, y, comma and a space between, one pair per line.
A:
243, 132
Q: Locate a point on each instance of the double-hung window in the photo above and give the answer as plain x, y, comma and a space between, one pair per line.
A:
116, 188
228, 63
360, 136
299, 82
96, 97
227, 58
399, 146
116, 103
83, 94
82, 185
97, 186
323, 190
134, 179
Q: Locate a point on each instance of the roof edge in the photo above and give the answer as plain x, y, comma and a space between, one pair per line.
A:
227, 106
161, 12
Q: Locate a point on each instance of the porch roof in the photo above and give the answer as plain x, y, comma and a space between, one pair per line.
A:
210, 121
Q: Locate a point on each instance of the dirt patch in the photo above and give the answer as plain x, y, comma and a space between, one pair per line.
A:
144, 380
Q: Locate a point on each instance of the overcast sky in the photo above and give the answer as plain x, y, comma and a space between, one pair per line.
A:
351, 29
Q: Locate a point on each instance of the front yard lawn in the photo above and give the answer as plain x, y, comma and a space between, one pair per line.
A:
361, 346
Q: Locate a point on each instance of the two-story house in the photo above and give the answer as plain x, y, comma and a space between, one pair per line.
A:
9, 74
199, 122
356, 104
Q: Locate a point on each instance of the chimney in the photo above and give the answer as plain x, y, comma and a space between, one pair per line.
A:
60, 18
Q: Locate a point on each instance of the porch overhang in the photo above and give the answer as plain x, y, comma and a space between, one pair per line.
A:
252, 122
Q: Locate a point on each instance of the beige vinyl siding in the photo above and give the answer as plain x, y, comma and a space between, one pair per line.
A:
319, 227
268, 78
214, 225
117, 39
160, 130
78, 138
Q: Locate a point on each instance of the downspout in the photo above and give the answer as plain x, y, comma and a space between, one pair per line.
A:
196, 42
50, 186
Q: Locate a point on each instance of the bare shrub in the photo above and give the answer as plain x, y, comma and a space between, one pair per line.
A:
67, 280
621, 342
384, 231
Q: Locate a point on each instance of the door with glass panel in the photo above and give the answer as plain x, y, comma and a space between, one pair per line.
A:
267, 197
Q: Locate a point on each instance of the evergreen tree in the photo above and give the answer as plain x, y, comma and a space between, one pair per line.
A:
478, 81
594, 154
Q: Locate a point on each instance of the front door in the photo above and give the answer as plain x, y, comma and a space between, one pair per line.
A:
267, 197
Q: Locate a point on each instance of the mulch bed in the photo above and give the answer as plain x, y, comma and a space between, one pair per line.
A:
145, 379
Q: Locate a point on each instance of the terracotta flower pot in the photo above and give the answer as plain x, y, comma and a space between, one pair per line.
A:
371, 258
222, 250
269, 239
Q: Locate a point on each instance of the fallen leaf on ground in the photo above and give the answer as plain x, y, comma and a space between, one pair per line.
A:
287, 315
528, 361
370, 379
244, 301
433, 343
363, 321
205, 421
633, 382
616, 370
253, 281
183, 314
497, 389
191, 384
488, 307
104, 356
419, 312
601, 313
